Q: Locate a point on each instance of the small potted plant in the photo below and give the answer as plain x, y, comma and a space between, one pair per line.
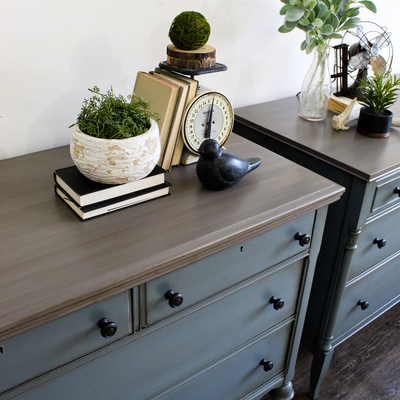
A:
380, 92
115, 140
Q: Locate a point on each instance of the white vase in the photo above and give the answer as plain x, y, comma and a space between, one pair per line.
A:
316, 88
115, 161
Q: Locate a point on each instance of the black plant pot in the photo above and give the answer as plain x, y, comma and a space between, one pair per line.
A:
374, 125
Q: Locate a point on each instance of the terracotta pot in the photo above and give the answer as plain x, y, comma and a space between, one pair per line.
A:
374, 125
115, 161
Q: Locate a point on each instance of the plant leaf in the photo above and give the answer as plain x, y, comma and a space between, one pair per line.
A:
304, 21
317, 23
343, 5
311, 45
334, 35
370, 5
290, 24
294, 13
283, 29
350, 23
284, 9
326, 16
311, 5
353, 12
333, 20
327, 30
322, 10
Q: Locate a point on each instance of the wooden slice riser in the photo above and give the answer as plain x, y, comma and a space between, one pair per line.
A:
204, 57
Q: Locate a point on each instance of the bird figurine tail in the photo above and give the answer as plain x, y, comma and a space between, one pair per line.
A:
254, 162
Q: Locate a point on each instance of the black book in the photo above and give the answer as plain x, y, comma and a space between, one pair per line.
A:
85, 191
114, 204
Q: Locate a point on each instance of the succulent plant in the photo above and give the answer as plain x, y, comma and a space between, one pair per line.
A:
321, 20
380, 91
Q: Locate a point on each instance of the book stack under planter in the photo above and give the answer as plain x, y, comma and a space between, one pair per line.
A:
90, 199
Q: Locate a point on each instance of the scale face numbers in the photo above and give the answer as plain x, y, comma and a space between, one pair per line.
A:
210, 115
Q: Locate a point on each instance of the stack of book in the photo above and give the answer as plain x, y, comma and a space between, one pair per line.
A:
338, 104
169, 94
90, 199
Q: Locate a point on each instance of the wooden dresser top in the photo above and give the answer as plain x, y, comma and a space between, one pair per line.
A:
51, 263
348, 150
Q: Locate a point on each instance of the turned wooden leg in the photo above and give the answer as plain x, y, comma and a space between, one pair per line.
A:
285, 392
319, 368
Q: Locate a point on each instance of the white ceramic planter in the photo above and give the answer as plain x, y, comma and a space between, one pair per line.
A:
116, 161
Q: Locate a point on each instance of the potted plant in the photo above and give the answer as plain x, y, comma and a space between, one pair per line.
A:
115, 140
322, 21
380, 92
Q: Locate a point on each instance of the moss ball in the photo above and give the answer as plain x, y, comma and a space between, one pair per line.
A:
189, 31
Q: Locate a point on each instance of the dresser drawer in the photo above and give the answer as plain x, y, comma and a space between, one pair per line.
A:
377, 288
369, 253
43, 348
159, 357
226, 268
239, 374
387, 192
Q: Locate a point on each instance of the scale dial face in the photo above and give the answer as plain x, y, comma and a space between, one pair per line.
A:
210, 115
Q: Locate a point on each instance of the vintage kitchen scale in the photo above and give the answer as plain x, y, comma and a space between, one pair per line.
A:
210, 114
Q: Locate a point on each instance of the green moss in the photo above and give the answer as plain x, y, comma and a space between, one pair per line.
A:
189, 30
108, 116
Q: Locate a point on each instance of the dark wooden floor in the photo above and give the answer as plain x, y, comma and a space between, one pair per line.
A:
364, 367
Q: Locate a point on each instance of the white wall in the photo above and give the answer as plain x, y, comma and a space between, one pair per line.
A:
51, 51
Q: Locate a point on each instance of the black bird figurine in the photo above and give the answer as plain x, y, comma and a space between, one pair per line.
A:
218, 169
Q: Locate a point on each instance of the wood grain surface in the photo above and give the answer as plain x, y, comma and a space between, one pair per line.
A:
347, 150
201, 58
51, 263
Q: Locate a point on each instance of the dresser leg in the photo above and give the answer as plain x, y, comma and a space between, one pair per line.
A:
319, 368
285, 392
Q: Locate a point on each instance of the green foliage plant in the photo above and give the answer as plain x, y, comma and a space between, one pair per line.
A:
189, 30
380, 91
110, 116
321, 20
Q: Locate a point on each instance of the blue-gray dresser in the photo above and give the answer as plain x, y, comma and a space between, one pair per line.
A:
357, 276
197, 295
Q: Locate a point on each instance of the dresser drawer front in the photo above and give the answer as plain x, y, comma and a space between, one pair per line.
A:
163, 356
226, 268
43, 348
368, 253
240, 373
377, 288
386, 192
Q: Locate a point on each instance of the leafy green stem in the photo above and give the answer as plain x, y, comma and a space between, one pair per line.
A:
321, 20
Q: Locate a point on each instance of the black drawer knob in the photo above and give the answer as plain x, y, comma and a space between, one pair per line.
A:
363, 304
380, 242
397, 190
174, 299
304, 239
268, 365
107, 328
278, 303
